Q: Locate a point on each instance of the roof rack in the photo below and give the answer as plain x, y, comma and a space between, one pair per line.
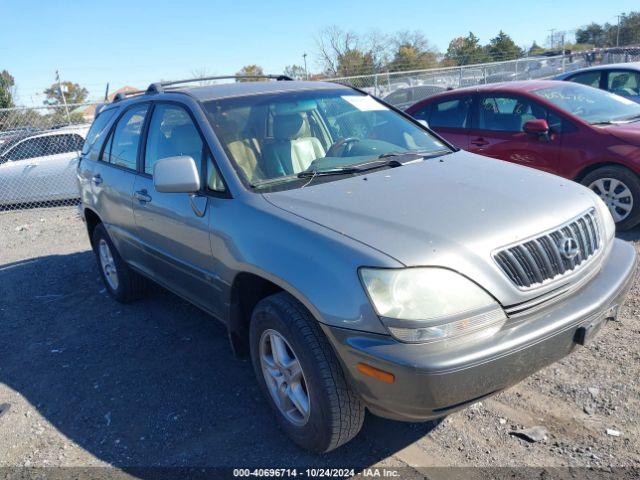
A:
122, 95
159, 87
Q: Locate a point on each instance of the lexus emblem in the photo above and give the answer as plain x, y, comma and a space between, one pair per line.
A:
569, 247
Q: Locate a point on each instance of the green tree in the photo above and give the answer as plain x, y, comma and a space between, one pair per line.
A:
629, 29
6, 89
593, 34
535, 49
250, 70
502, 47
296, 72
465, 51
73, 93
412, 52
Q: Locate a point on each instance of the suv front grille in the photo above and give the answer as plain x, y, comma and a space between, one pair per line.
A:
543, 258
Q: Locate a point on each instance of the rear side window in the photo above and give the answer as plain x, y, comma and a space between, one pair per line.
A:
450, 113
30, 148
591, 79
96, 131
122, 147
171, 134
64, 144
624, 82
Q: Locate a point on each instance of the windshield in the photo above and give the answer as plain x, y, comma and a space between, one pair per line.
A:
590, 104
277, 139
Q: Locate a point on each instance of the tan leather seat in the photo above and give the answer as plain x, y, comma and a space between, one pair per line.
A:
293, 148
245, 151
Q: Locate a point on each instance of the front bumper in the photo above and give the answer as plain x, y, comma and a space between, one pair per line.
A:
432, 380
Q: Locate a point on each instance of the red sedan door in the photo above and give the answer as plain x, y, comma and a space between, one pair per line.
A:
449, 117
497, 132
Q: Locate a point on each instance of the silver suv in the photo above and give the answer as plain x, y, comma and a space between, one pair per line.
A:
361, 260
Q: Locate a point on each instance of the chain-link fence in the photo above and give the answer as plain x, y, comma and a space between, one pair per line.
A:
402, 87
40, 146
39, 150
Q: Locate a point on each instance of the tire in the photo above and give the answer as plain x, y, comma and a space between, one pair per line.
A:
335, 413
600, 181
128, 285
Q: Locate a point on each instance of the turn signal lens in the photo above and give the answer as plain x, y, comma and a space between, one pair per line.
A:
376, 373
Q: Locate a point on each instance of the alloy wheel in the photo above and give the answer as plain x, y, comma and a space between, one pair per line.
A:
616, 196
284, 377
107, 264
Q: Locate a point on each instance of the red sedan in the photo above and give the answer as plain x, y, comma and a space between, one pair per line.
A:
578, 132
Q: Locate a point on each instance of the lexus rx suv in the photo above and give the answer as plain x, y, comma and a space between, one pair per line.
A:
361, 261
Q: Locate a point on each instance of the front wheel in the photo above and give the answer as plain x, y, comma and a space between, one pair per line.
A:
301, 376
619, 189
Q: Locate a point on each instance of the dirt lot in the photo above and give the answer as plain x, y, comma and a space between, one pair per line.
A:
85, 381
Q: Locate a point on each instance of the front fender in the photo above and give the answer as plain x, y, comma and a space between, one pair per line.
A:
319, 267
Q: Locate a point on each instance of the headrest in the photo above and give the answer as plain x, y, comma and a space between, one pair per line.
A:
290, 127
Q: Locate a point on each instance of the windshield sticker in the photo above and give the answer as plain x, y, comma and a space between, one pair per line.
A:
364, 103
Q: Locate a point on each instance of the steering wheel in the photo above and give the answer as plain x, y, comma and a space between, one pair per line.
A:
344, 143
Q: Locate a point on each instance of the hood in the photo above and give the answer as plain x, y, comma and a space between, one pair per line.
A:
627, 132
451, 212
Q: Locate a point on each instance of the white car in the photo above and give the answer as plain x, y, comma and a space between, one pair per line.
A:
40, 167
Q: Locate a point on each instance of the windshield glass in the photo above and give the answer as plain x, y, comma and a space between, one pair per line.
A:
272, 138
590, 104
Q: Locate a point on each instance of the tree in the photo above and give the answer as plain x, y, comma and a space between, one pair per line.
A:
343, 53
629, 29
250, 70
535, 49
592, 34
465, 51
412, 52
502, 47
73, 93
6, 89
295, 71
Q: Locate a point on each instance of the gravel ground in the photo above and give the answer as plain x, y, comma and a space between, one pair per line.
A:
85, 381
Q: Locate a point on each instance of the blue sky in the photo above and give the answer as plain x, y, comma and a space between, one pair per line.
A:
138, 41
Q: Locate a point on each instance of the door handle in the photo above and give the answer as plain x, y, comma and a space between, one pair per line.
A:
479, 142
142, 196
96, 179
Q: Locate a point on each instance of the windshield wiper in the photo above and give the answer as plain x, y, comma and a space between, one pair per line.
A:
390, 159
416, 155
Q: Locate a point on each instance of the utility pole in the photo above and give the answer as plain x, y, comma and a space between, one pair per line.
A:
618, 29
306, 73
552, 37
64, 100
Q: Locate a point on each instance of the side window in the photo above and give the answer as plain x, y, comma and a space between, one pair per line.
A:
453, 113
122, 147
96, 131
171, 133
214, 179
507, 114
31, 148
591, 79
624, 82
64, 144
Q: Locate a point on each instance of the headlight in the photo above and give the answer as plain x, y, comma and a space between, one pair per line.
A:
429, 304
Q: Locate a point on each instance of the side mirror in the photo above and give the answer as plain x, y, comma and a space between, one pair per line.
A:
176, 175
539, 126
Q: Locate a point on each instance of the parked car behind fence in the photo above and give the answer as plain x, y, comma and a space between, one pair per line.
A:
40, 167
